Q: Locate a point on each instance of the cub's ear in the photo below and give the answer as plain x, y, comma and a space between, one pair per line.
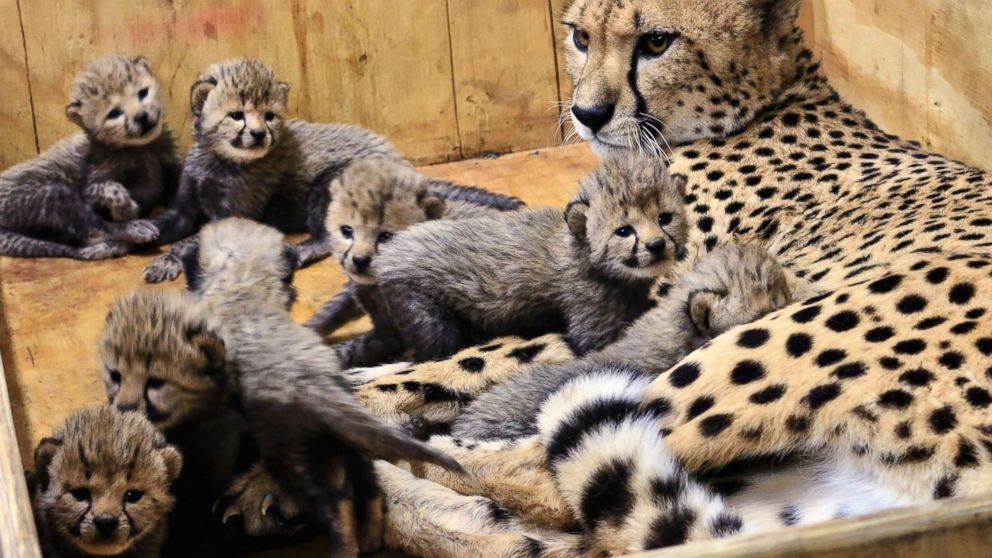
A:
681, 184
173, 462
282, 93
432, 205
43, 456
74, 112
700, 308
209, 343
142, 62
198, 94
575, 216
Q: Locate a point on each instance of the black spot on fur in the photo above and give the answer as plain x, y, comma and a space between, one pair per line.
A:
952, 360
798, 344
850, 370
967, 456
918, 377
945, 487
768, 395
585, 419
389, 388
962, 293
842, 321
879, 334
684, 375
728, 487
943, 420
526, 355
789, 515
472, 364
667, 492
726, 524
670, 529
700, 406
830, 357
713, 425
910, 347
984, 346
821, 395
806, 315
607, 494
911, 304
491, 348
885, 284
753, 338
746, 372
895, 399
978, 397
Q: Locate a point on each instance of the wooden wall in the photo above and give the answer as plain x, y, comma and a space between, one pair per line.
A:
449, 79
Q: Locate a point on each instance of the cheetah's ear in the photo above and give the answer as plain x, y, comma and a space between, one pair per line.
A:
199, 92
43, 456
575, 216
432, 205
173, 462
700, 308
210, 344
142, 62
74, 112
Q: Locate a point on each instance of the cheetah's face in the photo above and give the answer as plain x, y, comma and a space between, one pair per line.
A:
104, 481
651, 71
239, 109
116, 101
162, 361
370, 203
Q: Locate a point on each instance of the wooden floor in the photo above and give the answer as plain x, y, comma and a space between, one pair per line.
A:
52, 311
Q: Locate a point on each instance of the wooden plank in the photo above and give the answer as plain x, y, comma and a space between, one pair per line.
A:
920, 68
375, 63
17, 533
18, 141
957, 528
506, 89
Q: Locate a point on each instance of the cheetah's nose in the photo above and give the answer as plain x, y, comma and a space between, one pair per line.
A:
361, 262
105, 525
595, 117
656, 247
258, 134
127, 407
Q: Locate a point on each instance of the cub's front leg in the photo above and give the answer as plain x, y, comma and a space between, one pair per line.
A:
114, 198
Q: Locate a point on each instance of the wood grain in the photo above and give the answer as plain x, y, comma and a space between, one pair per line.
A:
505, 83
17, 142
17, 533
920, 68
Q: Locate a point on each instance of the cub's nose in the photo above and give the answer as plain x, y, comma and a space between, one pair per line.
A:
595, 117
656, 247
105, 525
361, 262
258, 134
141, 118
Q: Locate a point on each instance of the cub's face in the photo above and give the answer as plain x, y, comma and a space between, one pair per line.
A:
239, 107
162, 360
104, 481
116, 101
370, 203
651, 71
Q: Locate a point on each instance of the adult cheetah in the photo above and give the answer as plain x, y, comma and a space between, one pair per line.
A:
885, 378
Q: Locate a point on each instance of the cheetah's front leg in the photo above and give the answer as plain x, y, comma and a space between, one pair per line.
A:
113, 197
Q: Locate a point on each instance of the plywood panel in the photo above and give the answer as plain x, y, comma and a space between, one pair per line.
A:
17, 142
505, 82
341, 59
921, 68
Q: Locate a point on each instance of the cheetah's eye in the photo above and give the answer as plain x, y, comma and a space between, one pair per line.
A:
80, 494
236, 115
142, 93
581, 39
133, 496
155, 383
115, 376
656, 44
114, 113
385, 237
270, 116
665, 219
625, 231
347, 231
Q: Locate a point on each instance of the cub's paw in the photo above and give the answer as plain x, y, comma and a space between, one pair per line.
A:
141, 231
104, 250
122, 210
163, 268
258, 507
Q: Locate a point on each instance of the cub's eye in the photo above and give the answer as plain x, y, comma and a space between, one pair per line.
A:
155, 383
115, 376
270, 116
142, 93
132, 496
581, 39
385, 237
656, 44
236, 115
114, 113
625, 231
80, 494
665, 219
347, 231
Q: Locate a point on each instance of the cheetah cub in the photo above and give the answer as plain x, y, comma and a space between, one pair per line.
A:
586, 270
730, 286
83, 197
101, 486
249, 160
316, 439
371, 201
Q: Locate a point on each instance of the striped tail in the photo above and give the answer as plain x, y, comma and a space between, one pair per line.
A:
472, 194
20, 246
614, 470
